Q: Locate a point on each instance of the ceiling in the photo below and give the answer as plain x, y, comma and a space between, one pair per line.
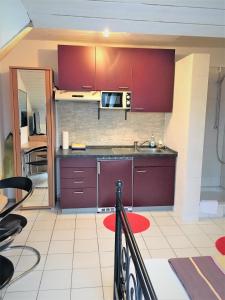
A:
92, 37
148, 21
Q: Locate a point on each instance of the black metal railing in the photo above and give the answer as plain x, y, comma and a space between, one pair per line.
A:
131, 279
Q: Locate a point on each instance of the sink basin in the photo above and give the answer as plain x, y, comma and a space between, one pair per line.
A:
150, 150
122, 151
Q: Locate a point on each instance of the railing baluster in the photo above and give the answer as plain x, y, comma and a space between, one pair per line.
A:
143, 288
118, 245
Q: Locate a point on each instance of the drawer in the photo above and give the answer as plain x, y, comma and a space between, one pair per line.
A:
78, 198
79, 173
78, 162
88, 181
155, 162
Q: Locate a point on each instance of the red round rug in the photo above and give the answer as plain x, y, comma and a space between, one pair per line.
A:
220, 245
137, 222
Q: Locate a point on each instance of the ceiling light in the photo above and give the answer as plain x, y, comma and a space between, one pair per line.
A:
106, 32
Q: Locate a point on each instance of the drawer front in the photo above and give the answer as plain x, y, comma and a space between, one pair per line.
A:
155, 162
78, 198
79, 173
78, 162
68, 183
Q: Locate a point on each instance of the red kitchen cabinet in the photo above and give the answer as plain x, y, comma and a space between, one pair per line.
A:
154, 182
109, 171
76, 68
78, 180
153, 80
113, 69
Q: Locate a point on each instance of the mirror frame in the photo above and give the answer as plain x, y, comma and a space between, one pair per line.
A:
50, 130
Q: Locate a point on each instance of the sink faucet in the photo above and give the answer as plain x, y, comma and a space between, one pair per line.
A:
136, 145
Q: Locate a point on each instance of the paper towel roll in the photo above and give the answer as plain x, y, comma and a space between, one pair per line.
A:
65, 139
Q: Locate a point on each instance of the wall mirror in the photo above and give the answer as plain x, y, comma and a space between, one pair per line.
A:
33, 132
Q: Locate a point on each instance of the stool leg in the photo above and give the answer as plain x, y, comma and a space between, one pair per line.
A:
36, 252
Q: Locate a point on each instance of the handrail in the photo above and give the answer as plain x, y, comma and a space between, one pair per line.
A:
123, 277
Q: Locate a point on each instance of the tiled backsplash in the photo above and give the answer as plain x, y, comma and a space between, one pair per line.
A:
81, 121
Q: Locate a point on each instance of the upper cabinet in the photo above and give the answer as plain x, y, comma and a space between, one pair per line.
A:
147, 73
153, 80
113, 69
76, 68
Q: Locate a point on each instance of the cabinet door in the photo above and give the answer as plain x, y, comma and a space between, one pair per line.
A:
110, 171
154, 186
153, 80
76, 68
113, 69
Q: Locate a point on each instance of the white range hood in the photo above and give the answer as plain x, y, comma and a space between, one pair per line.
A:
77, 96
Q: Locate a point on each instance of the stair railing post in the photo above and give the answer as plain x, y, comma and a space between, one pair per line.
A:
118, 291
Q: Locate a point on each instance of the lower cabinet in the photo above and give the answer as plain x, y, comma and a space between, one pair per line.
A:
150, 179
154, 182
78, 179
109, 171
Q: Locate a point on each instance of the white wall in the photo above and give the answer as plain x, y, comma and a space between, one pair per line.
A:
13, 18
184, 131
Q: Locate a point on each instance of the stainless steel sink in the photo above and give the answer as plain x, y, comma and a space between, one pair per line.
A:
122, 151
150, 150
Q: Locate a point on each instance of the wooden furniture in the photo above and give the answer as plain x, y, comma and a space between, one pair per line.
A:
147, 73
108, 172
43, 78
78, 178
3, 202
76, 68
154, 181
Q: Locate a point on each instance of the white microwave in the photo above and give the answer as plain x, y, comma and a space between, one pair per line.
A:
115, 100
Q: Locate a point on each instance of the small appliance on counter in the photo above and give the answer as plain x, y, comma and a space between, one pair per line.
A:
75, 146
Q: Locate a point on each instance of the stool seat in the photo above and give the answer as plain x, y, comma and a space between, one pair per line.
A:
7, 270
9, 226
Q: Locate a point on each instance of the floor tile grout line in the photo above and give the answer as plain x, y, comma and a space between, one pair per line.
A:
170, 247
22, 249
46, 257
186, 235
99, 257
73, 254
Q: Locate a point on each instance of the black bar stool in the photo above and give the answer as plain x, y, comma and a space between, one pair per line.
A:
6, 272
12, 224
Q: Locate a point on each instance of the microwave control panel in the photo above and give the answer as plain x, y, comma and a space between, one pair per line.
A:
128, 99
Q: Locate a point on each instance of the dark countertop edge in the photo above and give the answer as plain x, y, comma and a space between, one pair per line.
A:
60, 153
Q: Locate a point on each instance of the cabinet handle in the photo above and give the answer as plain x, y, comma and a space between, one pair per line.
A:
141, 171
78, 171
78, 192
123, 87
98, 167
86, 86
138, 108
78, 182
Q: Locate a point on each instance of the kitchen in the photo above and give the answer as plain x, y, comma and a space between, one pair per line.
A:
162, 125
112, 70
76, 248
187, 38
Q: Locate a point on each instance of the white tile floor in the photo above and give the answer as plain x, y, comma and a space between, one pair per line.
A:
77, 252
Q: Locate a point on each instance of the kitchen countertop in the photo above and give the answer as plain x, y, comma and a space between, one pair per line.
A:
115, 151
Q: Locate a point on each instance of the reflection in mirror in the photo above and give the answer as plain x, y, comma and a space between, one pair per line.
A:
33, 133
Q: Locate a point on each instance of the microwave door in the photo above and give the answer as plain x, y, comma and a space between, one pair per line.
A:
112, 100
